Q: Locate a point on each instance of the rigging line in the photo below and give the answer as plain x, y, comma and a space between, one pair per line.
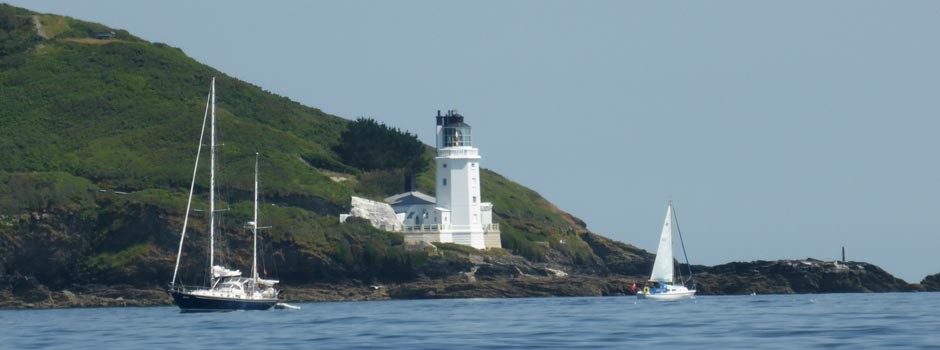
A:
677, 268
274, 264
264, 262
192, 186
687, 264
207, 278
264, 243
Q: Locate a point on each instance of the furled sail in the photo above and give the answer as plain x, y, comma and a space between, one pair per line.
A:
221, 271
662, 267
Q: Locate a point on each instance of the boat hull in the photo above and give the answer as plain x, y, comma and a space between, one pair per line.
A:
667, 296
190, 302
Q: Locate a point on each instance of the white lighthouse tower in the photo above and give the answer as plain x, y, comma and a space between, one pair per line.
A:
458, 214
458, 182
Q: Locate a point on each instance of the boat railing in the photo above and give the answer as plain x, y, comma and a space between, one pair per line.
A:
185, 288
190, 288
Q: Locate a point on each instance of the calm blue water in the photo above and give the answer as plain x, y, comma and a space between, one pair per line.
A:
852, 321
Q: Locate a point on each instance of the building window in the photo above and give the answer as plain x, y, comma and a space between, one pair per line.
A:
445, 182
445, 165
474, 199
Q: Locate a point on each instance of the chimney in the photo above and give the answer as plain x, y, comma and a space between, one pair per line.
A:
411, 182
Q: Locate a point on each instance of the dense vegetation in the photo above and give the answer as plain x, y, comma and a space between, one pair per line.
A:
99, 139
369, 145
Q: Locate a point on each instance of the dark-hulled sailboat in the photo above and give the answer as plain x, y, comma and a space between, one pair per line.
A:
227, 289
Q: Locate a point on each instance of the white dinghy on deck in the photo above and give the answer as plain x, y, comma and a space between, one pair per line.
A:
662, 278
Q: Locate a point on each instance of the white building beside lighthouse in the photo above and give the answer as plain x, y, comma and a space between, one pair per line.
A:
458, 214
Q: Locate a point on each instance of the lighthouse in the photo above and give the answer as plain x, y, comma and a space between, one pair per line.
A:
458, 181
458, 213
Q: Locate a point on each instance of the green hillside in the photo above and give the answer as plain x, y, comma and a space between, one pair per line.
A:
99, 138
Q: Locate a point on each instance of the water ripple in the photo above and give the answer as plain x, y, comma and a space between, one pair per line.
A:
849, 321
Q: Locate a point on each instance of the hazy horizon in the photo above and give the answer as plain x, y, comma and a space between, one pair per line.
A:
779, 130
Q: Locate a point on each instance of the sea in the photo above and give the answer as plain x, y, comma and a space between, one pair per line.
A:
823, 321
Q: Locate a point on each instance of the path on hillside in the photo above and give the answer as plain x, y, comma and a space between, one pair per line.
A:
39, 29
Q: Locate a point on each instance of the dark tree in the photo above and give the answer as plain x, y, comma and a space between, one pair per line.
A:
370, 145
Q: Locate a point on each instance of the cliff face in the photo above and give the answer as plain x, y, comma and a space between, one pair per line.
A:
797, 276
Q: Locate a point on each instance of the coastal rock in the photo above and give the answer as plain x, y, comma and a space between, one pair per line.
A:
796, 276
931, 283
327, 292
525, 287
18, 292
619, 258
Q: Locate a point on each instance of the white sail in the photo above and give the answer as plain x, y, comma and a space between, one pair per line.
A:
662, 267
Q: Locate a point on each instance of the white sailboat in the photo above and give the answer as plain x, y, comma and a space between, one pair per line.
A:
664, 285
227, 289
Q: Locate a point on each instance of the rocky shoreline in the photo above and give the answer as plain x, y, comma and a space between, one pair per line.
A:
36, 296
799, 277
931, 283
488, 281
27, 293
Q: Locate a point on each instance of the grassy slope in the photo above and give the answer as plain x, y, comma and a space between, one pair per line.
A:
88, 117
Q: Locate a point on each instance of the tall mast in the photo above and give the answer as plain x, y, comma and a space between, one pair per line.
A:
192, 186
254, 228
212, 187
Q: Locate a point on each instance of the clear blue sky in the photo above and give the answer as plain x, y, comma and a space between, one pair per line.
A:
779, 129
